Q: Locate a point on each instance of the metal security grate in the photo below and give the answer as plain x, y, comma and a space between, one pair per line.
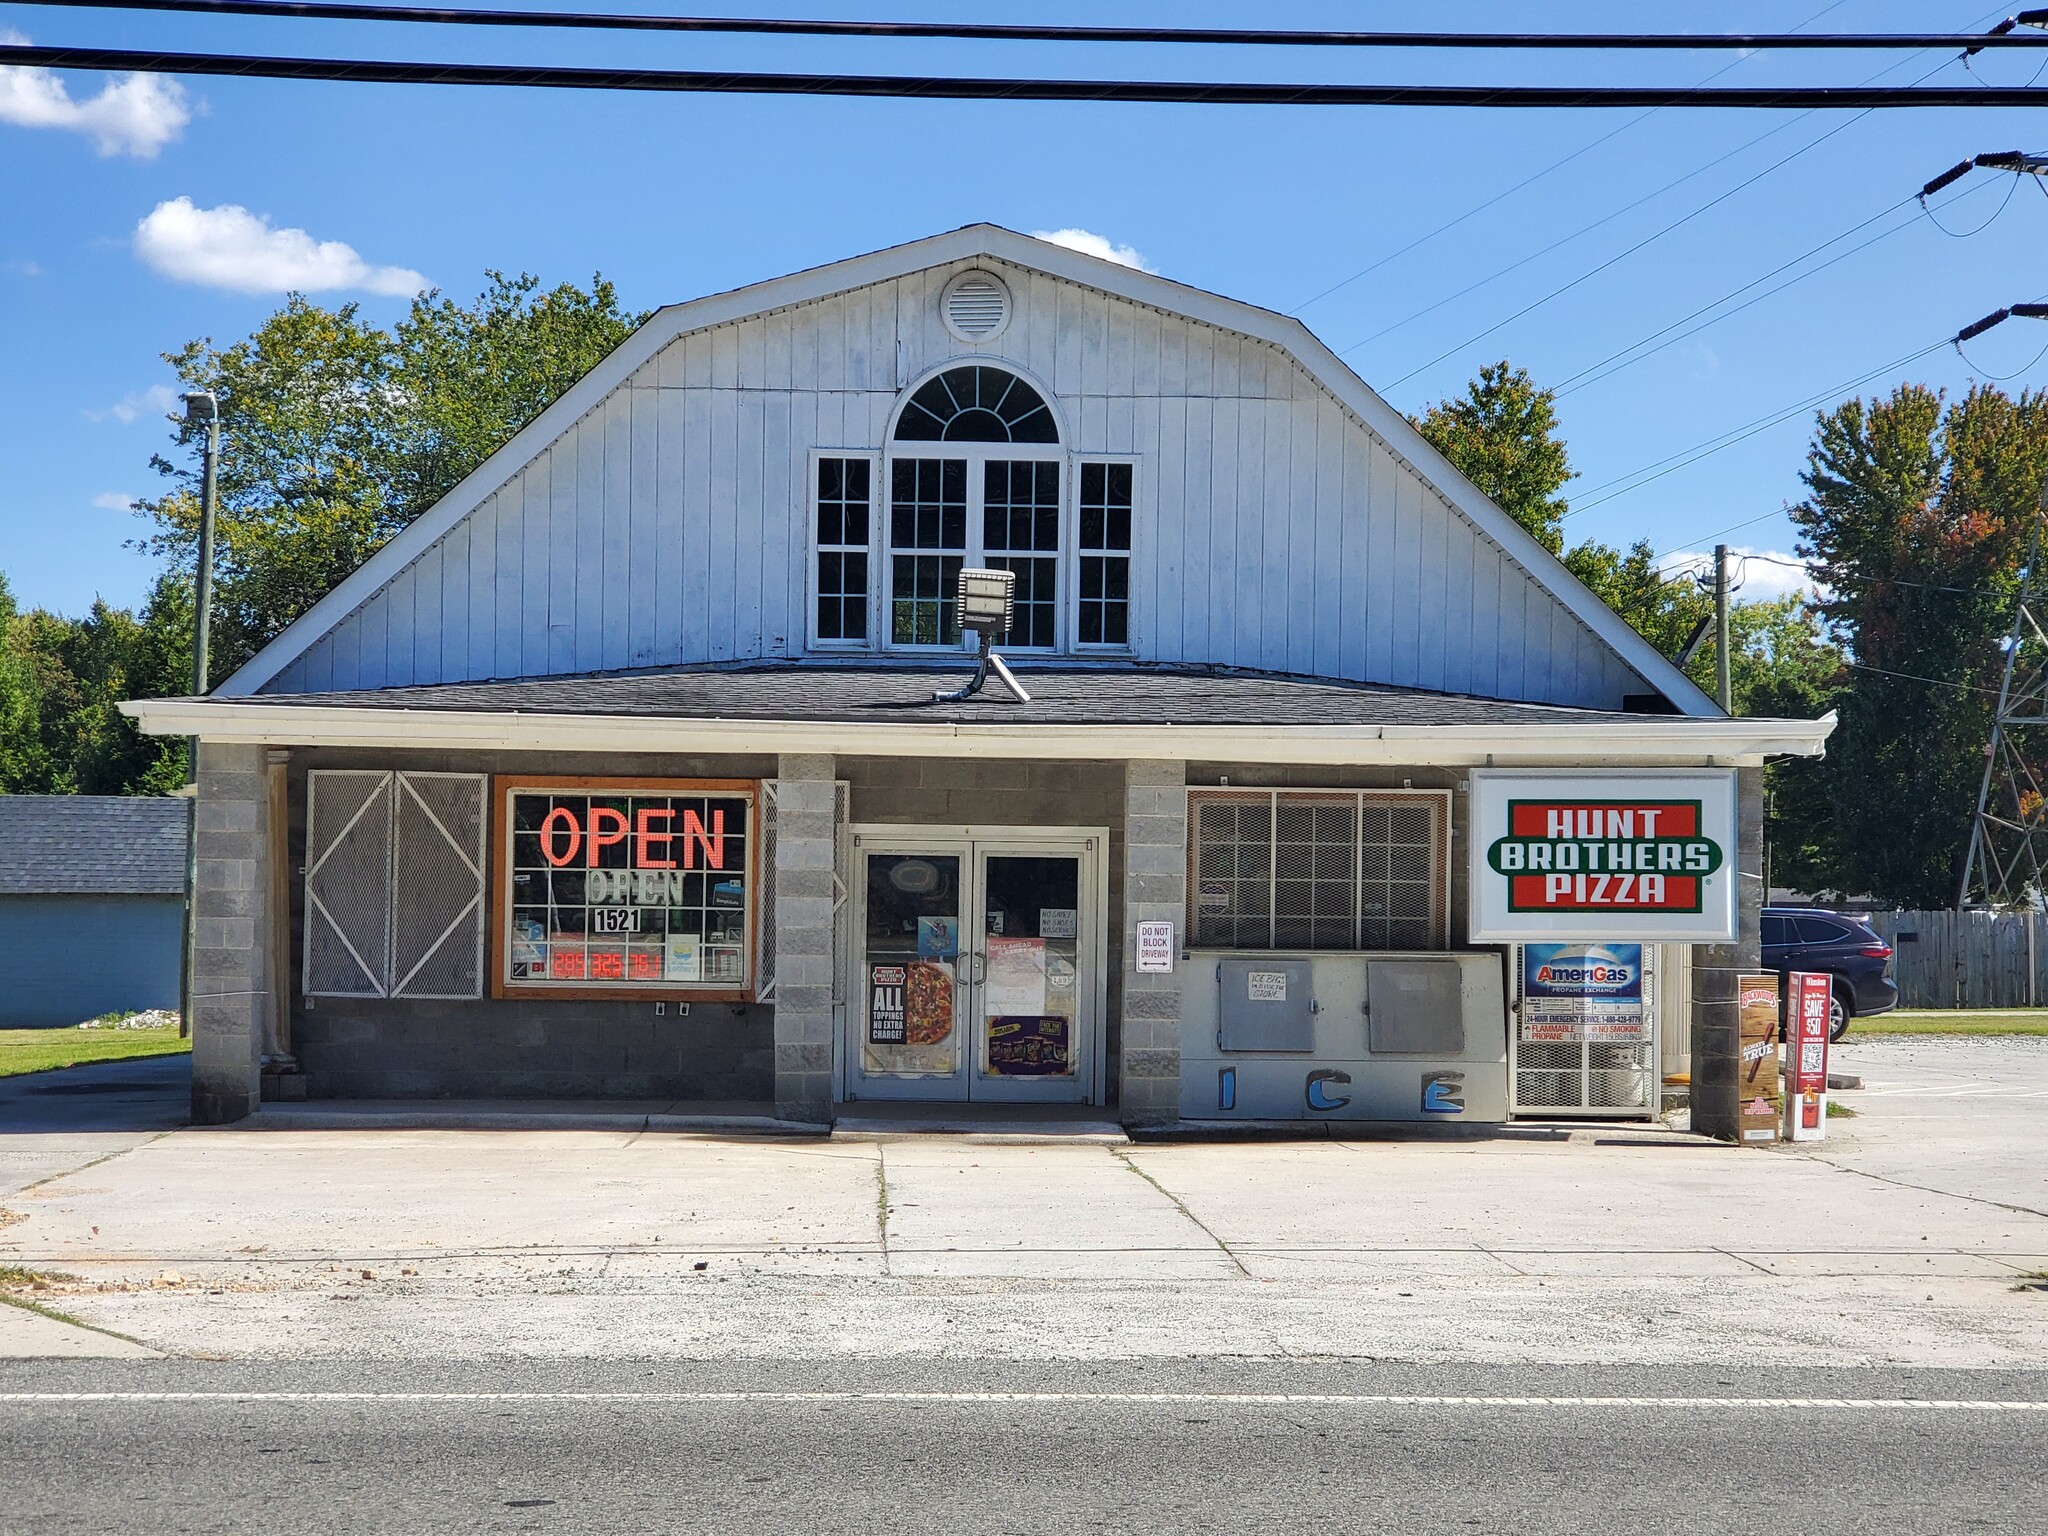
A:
1318, 869
437, 887
348, 883
394, 884
1598, 1079
764, 908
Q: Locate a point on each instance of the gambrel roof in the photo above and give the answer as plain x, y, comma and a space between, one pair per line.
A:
1463, 600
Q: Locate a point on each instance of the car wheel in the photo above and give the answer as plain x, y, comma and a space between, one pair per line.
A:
1838, 1016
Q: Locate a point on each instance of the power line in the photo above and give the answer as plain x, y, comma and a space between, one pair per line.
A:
968, 88
1599, 372
995, 32
1635, 480
1530, 180
2005, 26
1674, 224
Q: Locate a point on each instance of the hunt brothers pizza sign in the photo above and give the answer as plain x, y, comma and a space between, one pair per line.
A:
1642, 855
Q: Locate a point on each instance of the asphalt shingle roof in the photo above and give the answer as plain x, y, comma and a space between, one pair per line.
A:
902, 695
91, 845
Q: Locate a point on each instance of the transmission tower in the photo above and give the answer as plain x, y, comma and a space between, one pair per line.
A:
2009, 838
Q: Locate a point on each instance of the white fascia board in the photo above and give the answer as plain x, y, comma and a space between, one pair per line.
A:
990, 241
1671, 740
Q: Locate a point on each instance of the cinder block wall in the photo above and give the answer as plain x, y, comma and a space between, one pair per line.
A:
352, 1048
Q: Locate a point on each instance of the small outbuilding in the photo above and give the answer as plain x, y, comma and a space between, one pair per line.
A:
92, 906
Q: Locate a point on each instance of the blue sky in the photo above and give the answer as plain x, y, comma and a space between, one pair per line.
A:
102, 267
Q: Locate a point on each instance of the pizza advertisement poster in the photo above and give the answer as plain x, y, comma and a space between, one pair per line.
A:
1602, 856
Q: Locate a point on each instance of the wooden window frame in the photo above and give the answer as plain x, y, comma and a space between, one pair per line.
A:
505, 785
974, 551
877, 509
1077, 646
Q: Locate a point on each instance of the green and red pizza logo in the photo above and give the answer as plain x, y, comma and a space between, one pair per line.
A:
1605, 856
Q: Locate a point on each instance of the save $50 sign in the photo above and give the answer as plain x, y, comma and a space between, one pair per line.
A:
1596, 855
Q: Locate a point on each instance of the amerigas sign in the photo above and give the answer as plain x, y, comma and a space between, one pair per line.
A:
1642, 854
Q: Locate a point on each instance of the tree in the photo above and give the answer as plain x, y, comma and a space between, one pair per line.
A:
1502, 436
336, 434
1916, 520
61, 682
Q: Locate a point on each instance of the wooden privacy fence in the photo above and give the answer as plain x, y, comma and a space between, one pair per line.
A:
1967, 959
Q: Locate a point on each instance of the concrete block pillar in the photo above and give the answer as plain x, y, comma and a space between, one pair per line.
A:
1716, 1028
804, 840
1155, 890
231, 949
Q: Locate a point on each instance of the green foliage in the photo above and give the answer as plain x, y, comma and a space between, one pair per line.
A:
61, 681
1502, 436
335, 434
1663, 609
1916, 519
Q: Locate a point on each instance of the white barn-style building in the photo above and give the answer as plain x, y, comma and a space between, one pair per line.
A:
619, 775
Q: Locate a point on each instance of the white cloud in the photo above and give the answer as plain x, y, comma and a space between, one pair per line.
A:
1088, 243
156, 400
133, 115
22, 268
230, 247
114, 501
1753, 573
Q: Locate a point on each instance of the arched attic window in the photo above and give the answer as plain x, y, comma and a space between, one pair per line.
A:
972, 475
976, 405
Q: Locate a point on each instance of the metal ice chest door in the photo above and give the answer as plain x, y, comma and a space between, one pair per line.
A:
1266, 1006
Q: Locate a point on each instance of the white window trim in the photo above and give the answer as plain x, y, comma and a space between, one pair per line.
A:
975, 455
876, 510
1072, 617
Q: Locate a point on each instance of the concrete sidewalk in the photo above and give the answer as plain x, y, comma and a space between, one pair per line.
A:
1898, 1241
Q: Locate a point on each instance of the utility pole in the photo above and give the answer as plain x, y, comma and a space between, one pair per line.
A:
2010, 832
201, 409
1723, 691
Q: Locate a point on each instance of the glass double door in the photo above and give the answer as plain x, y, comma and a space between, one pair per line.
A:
980, 966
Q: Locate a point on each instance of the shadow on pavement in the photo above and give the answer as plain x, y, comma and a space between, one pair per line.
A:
153, 1093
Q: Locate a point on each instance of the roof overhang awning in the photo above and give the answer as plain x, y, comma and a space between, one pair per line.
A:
1645, 740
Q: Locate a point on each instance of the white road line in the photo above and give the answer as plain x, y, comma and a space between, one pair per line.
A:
1243, 1399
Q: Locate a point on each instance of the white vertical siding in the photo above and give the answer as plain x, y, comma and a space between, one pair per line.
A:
670, 525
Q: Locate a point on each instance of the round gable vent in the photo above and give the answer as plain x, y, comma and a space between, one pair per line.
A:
976, 306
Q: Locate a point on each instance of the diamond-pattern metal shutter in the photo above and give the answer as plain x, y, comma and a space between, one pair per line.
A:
437, 885
348, 883
764, 899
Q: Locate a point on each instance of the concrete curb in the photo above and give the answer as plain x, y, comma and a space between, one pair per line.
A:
313, 1117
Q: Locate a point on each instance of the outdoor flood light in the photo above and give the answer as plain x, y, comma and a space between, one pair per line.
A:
987, 604
988, 601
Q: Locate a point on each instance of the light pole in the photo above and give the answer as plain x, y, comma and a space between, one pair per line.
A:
201, 409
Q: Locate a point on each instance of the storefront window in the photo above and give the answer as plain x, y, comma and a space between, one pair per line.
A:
1318, 869
609, 885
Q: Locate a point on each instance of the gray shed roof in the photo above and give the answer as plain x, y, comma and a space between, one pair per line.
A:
91, 845
1107, 696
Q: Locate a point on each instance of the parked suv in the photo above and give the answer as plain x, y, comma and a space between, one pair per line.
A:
1847, 948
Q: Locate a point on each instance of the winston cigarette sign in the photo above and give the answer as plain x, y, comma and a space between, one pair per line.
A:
1641, 855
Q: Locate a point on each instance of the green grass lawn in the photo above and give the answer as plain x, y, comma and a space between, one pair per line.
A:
39, 1050
1953, 1021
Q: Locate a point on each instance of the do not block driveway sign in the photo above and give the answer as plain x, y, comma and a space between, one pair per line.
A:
1642, 854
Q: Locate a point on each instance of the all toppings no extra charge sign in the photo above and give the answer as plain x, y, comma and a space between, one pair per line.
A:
1635, 855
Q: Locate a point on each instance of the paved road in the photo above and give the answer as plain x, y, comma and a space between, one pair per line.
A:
1124, 1448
